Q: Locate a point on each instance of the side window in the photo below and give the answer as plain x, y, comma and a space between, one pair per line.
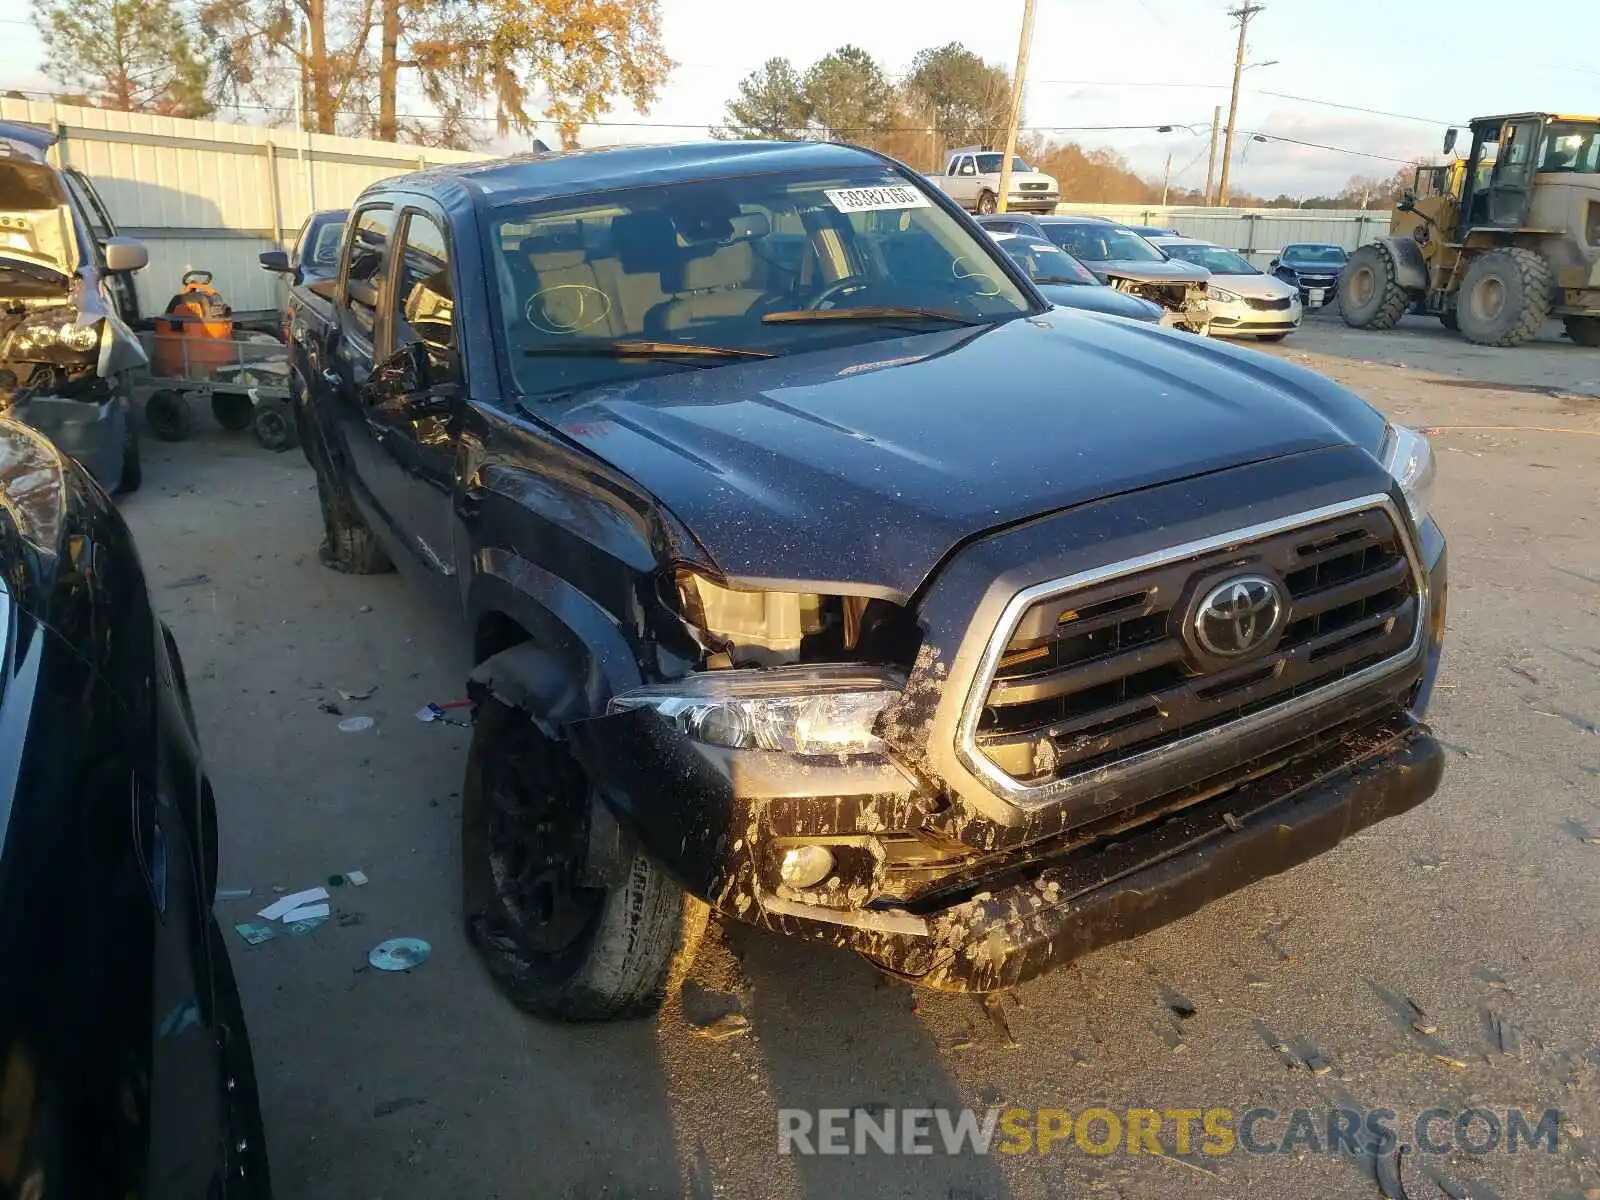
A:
300, 247
369, 256
425, 297
966, 166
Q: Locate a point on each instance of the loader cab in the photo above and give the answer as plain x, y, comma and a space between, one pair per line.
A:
1508, 152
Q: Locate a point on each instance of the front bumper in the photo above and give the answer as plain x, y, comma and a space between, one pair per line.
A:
1240, 317
1033, 202
952, 897
91, 432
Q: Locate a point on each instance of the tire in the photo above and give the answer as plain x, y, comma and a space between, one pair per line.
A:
232, 411
132, 468
275, 426
1505, 297
1370, 295
168, 416
347, 542
987, 204
1585, 331
557, 948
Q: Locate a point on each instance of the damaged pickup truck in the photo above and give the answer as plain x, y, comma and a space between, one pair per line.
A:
66, 302
818, 571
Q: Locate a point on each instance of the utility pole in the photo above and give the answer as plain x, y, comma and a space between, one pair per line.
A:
1211, 166
1166, 180
1242, 15
1015, 118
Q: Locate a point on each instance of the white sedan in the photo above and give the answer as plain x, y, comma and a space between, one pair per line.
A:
1244, 301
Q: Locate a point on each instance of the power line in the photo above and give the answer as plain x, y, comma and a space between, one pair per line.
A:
1273, 137
1376, 112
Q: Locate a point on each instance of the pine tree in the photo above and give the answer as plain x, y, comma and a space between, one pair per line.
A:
130, 55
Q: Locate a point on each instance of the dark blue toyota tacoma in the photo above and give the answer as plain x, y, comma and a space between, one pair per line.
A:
816, 570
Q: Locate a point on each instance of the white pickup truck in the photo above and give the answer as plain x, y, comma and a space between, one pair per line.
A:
972, 179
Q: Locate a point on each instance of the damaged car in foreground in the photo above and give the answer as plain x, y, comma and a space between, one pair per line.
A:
818, 571
66, 351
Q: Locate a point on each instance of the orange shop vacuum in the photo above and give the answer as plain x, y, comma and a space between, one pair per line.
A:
192, 336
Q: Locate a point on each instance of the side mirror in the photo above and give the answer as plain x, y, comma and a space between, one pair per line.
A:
274, 260
1408, 202
1273, 265
126, 254
1449, 140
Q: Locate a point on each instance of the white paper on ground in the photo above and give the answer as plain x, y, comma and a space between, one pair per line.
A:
356, 878
308, 913
289, 903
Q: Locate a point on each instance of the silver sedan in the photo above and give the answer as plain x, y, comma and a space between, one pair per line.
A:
1244, 301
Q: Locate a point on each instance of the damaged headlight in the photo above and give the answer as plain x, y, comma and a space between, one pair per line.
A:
825, 709
1407, 456
45, 336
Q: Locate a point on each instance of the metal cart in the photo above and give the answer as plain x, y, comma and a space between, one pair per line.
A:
246, 379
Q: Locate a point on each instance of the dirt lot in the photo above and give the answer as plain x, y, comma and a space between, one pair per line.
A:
1482, 908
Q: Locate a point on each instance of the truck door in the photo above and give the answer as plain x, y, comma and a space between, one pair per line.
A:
413, 399
349, 356
1512, 180
964, 179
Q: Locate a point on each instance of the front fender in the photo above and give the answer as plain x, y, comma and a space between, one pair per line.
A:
1410, 269
576, 657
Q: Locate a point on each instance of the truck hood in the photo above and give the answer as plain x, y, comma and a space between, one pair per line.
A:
1171, 271
863, 466
35, 222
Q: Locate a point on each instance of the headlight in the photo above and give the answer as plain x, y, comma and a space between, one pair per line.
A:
45, 336
1222, 295
1406, 455
817, 710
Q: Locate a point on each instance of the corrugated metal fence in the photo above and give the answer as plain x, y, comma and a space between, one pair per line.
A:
205, 195
1257, 233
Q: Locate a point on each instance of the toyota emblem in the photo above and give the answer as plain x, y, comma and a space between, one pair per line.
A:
1239, 616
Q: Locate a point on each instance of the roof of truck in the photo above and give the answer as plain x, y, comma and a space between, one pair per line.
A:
579, 172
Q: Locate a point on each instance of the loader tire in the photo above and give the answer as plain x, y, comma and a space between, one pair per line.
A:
1505, 297
1370, 295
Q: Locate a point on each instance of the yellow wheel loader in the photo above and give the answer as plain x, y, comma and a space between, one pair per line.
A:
1495, 244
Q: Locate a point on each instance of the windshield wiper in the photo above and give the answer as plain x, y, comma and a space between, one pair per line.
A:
633, 348
868, 313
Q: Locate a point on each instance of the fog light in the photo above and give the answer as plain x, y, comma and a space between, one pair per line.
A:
805, 866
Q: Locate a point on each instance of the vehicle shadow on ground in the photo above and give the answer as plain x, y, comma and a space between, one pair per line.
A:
835, 1033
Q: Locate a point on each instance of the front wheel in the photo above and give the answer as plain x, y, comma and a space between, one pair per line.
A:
1370, 295
987, 203
347, 542
557, 944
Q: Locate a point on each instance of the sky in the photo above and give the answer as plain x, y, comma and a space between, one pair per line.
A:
1141, 63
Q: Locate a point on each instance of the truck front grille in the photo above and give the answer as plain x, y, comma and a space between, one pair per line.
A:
1105, 668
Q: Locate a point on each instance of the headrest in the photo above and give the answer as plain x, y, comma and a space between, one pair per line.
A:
728, 267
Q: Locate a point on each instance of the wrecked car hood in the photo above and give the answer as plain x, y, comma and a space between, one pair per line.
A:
35, 220
866, 464
1150, 272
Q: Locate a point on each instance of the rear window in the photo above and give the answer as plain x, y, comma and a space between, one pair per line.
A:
1102, 243
1213, 258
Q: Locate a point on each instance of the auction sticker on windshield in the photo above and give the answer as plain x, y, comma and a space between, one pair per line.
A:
875, 199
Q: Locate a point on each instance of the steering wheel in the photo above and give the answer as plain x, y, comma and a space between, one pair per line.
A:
841, 287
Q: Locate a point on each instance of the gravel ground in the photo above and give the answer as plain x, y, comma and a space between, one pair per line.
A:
1481, 908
